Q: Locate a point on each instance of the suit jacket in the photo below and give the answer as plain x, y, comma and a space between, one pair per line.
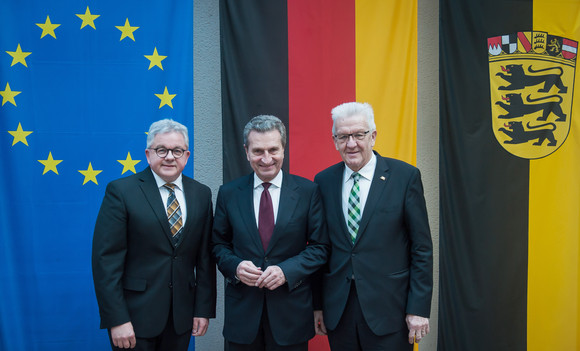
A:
391, 259
299, 246
138, 273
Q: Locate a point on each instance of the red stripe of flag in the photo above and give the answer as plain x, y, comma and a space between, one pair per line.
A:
321, 72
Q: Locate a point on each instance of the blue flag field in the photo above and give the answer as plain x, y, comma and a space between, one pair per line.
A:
80, 83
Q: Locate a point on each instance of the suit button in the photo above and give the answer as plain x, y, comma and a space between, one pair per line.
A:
170, 285
353, 254
266, 259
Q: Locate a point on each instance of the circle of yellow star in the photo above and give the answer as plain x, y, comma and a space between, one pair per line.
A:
18, 56
88, 19
165, 98
50, 164
8, 95
48, 28
155, 59
19, 135
90, 174
127, 30
128, 164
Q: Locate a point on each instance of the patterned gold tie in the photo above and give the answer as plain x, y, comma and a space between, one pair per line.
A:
173, 210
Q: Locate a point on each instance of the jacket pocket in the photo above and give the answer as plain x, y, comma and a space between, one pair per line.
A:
134, 284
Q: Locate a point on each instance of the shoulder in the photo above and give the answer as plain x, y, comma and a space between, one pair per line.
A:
300, 181
236, 184
190, 183
330, 171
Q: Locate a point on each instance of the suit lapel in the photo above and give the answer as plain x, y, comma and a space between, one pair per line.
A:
335, 200
289, 198
151, 191
378, 185
245, 202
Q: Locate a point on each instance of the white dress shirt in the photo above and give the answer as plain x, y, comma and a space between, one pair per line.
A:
367, 173
274, 193
179, 194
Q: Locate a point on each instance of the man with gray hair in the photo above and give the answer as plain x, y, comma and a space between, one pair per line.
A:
268, 238
152, 269
377, 286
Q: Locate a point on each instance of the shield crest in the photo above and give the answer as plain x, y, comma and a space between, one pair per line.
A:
531, 78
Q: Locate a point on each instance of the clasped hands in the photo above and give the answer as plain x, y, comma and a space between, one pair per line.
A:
249, 274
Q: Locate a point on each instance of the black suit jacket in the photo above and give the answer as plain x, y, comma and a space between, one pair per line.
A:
138, 273
299, 246
391, 259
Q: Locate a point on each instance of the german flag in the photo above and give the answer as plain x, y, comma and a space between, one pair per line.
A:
298, 59
509, 172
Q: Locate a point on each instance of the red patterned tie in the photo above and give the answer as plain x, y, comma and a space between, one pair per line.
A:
266, 216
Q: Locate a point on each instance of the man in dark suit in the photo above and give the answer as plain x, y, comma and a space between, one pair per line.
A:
376, 290
152, 268
268, 238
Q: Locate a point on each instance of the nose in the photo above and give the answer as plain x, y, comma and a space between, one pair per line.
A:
169, 155
351, 142
266, 158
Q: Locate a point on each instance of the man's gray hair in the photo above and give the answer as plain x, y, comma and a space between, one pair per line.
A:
265, 123
166, 126
349, 109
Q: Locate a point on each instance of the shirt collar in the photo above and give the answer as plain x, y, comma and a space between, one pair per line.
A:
366, 172
277, 181
160, 182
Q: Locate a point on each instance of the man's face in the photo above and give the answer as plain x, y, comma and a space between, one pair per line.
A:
355, 153
169, 167
265, 153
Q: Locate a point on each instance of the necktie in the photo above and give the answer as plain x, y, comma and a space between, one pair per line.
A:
173, 210
266, 216
354, 214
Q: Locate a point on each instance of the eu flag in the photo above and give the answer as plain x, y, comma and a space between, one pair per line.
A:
80, 83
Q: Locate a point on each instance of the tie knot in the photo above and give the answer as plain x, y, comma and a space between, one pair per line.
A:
169, 186
356, 176
266, 185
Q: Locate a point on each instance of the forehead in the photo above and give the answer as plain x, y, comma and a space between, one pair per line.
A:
169, 139
264, 140
352, 123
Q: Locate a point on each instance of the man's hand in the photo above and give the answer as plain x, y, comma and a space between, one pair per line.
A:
272, 278
248, 273
123, 336
418, 327
319, 326
199, 326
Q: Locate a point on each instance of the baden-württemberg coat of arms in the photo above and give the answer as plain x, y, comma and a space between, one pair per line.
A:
532, 83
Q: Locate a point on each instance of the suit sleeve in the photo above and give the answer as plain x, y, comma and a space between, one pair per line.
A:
421, 274
299, 267
222, 237
108, 258
205, 292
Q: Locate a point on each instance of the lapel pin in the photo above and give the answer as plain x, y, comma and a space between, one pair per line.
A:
382, 177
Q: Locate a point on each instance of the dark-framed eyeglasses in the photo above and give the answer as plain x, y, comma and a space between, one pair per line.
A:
343, 138
163, 152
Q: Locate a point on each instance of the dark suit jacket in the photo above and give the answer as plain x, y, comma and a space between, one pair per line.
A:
391, 259
137, 271
299, 246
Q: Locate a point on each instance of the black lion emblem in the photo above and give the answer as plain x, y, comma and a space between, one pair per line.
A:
517, 108
518, 79
515, 130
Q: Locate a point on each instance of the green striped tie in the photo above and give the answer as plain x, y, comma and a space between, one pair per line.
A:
354, 214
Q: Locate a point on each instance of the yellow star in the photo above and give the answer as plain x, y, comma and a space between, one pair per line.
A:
8, 95
165, 98
18, 56
128, 164
127, 30
155, 59
47, 28
19, 135
50, 164
88, 19
90, 174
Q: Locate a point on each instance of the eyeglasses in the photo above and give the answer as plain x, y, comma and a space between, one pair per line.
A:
343, 138
163, 152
